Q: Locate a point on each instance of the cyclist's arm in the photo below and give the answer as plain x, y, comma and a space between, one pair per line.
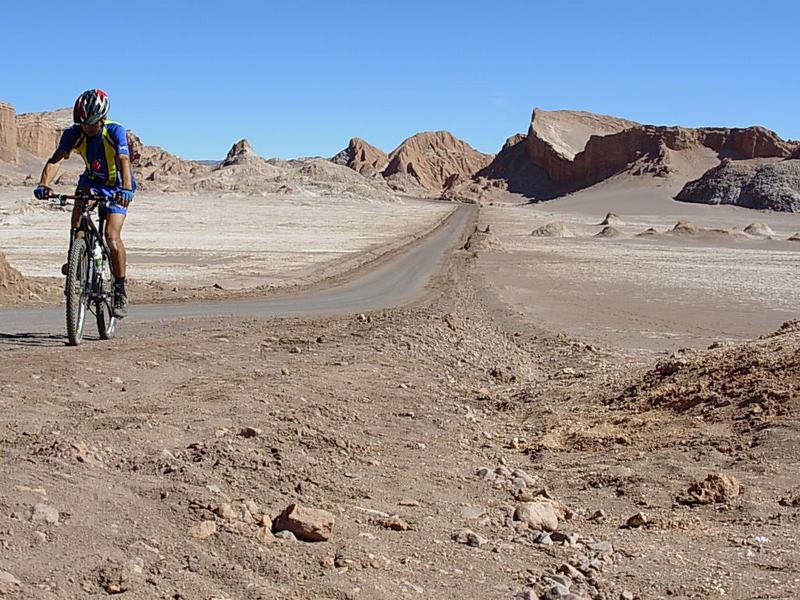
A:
51, 167
125, 171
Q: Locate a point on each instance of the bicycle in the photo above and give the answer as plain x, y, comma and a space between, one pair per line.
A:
90, 273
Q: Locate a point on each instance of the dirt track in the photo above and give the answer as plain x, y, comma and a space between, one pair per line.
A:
112, 455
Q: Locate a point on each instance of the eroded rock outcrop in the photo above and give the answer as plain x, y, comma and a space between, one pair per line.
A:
8, 133
774, 186
581, 148
362, 157
432, 157
37, 134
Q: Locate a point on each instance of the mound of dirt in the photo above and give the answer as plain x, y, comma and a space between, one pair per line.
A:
687, 227
483, 240
612, 219
716, 488
773, 186
556, 229
746, 382
759, 230
646, 232
795, 237
609, 232
14, 287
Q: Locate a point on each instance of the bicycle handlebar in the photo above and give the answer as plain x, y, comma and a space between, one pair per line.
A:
61, 199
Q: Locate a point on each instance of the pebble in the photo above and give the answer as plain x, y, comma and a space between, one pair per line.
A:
250, 432
6, 577
286, 535
558, 579
503, 471
637, 520
602, 547
557, 592
203, 530
484, 473
523, 475
468, 537
472, 512
406, 502
519, 483
44, 513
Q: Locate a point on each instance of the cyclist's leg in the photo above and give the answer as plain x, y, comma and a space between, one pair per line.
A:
114, 223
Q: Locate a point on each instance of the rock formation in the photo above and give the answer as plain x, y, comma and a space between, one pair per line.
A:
37, 135
774, 186
583, 149
8, 133
434, 156
362, 157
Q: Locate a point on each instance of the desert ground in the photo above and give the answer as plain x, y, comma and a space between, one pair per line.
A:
558, 417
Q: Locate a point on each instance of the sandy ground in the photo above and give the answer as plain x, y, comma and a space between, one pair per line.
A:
155, 465
231, 240
652, 293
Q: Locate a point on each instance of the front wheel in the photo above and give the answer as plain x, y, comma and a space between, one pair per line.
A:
77, 290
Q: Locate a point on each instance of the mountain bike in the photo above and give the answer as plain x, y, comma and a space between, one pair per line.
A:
90, 273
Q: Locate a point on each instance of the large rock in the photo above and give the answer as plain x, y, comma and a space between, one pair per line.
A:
538, 515
432, 157
8, 133
362, 157
309, 524
774, 186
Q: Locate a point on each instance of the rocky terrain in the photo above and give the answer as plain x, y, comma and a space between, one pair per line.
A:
437, 451
772, 186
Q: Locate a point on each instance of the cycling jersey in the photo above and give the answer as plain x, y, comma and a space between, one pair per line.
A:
99, 152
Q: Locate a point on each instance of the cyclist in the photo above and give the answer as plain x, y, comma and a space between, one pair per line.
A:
103, 145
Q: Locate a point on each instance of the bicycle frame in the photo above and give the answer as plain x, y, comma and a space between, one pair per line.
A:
87, 282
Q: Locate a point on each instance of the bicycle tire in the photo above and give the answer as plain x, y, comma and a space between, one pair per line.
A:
104, 310
76, 290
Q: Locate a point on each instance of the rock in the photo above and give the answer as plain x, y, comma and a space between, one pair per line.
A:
468, 537
250, 432
362, 157
286, 535
472, 512
42, 513
773, 186
538, 515
6, 577
601, 547
308, 524
715, 488
558, 579
556, 592
203, 530
637, 520
528, 479
571, 572
264, 535
598, 515
556, 229
395, 523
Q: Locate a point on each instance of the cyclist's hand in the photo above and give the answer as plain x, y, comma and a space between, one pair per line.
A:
124, 197
42, 192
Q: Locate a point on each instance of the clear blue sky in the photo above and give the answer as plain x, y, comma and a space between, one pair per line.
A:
300, 78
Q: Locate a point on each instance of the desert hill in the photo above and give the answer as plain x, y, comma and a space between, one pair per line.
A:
362, 157
432, 157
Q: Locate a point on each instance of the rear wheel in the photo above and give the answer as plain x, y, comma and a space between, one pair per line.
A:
77, 290
106, 321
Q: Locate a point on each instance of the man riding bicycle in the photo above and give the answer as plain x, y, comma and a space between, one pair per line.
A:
104, 147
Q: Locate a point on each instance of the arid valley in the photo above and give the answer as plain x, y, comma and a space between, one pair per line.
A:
593, 395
